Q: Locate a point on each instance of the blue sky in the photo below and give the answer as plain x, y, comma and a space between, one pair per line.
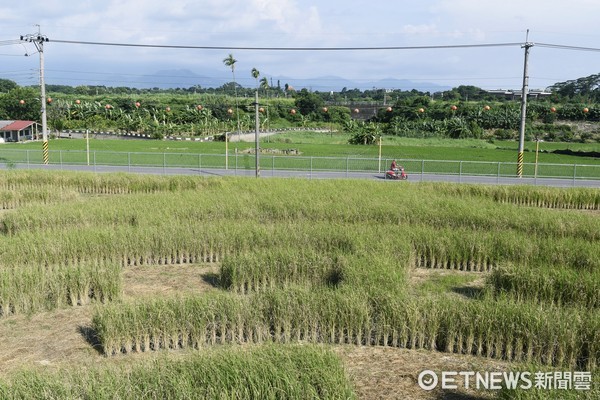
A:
310, 23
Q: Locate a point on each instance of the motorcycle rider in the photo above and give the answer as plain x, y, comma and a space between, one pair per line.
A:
396, 171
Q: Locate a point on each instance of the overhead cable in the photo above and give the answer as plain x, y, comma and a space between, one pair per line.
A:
161, 46
564, 47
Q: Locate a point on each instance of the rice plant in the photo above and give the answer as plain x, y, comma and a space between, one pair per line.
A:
556, 285
498, 328
303, 265
544, 197
29, 289
258, 372
310, 261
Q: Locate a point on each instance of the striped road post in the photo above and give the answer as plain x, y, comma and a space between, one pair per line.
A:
520, 164
45, 151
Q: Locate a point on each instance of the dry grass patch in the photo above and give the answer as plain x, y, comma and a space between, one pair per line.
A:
458, 283
391, 373
164, 280
47, 339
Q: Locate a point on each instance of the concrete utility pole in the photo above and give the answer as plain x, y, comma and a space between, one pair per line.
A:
524, 94
38, 40
257, 135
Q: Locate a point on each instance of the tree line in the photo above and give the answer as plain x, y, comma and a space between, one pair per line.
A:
211, 112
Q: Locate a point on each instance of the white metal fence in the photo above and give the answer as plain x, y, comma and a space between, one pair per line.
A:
343, 166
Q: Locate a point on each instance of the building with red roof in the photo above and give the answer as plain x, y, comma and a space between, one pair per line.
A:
18, 131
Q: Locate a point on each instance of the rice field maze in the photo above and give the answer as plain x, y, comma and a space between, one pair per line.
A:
285, 288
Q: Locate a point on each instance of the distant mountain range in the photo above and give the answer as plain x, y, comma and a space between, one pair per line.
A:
184, 78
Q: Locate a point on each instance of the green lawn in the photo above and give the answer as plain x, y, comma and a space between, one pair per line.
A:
320, 151
314, 144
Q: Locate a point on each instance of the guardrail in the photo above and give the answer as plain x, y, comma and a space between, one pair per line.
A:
344, 165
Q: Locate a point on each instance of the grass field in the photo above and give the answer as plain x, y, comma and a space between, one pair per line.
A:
290, 288
319, 151
319, 144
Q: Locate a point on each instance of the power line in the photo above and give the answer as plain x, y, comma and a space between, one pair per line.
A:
367, 48
159, 46
250, 79
565, 47
317, 49
9, 42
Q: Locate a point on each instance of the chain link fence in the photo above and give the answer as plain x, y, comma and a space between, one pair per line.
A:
344, 166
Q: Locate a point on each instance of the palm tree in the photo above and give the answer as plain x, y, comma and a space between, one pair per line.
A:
255, 74
229, 61
264, 83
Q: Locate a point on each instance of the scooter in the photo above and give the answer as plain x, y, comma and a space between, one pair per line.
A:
397, 174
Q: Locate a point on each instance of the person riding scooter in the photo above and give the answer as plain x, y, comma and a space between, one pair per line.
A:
396, 171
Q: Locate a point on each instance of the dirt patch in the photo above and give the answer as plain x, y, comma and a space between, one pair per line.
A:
47, 339
459, 283
392, 373
144, 281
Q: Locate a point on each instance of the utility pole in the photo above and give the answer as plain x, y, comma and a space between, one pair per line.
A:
256, 135
524, 94
38, 40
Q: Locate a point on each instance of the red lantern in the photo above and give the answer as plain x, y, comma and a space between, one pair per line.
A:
585, 110
229, 111
293, 111
21, 102
487, 108
325, 109
421, 110
356, 111
553, 109
77, 101
199, 107
389, 109
137, 104
453, 108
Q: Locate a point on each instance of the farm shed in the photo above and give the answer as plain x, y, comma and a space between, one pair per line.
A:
17, 131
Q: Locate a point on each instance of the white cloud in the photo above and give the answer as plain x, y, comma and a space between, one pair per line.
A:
430, 29
307, 23
514, 17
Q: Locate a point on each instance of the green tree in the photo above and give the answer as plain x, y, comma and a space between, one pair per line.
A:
308, 103
11, 106
6, 85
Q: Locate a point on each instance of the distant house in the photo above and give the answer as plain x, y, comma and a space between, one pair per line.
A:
18, 131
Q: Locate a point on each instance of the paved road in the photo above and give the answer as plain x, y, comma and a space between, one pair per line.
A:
489, 180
